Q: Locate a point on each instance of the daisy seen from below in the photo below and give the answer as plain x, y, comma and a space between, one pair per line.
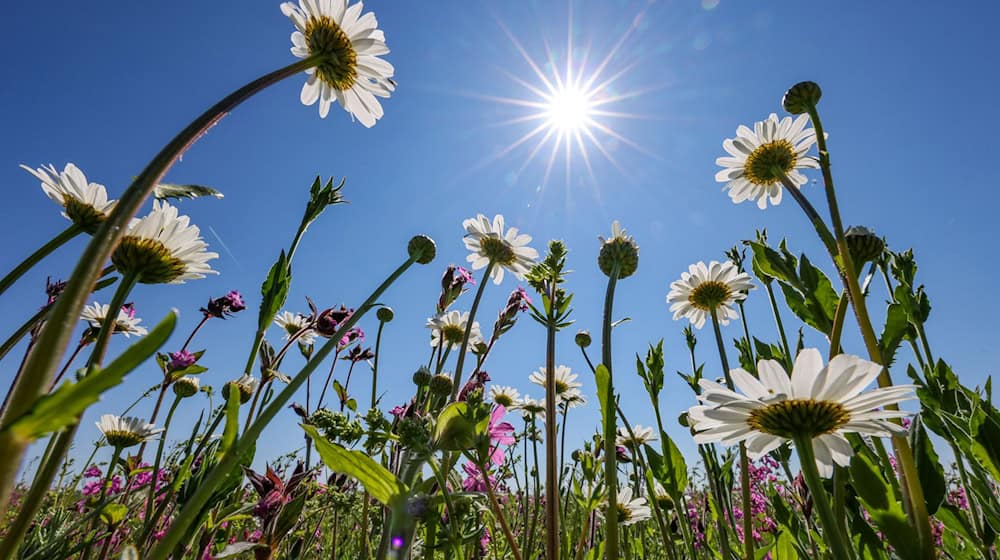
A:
758, 159
631, 510
85, 204
125, 431
566, 383
531, 408
504, 396
498, 249
347, 45
163, 248
294, 323
451, 327
643, 435
621, 250
707, 289
818, 404
126, 322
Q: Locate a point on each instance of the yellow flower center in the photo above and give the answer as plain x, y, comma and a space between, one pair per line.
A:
709, 295
123, 438
497, 250
83, 214
453, 334
149, 259
766, 164
561, 386
339, 65
799, 417
503, 400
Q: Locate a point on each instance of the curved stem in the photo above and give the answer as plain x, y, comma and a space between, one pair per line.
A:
831, 536
610, 453
231, 459
378, 351
498, 513
838, 324
204, 319
468, 331
781, 327
24, 329
42, 252
55, 335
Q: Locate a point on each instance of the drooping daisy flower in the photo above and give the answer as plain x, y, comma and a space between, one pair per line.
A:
163, 248
506, 250
572, 398
504, 396
758, 158
348, 44
643, 435
817, 403
630, 510
566, 382
125, 431
451, 327
85, 204
292, 323
126, 323
531, 408
620, 249
702, 289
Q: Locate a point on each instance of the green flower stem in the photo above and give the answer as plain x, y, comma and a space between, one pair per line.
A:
378, 348
156, 465
748, 543
54, 337
781, 327
551, 453
680, 500
838, 325
42, 252
229, 461
468, 331
23, 330
610, 453
498, 513
832, 537
913, 491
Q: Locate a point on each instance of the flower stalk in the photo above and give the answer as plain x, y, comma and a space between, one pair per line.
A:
58, 241
610, 453
457, 380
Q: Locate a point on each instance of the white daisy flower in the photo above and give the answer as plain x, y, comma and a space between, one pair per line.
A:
531, 407
506, 250
572, 398
349, 45
293, 323
706, 287
504, 396
758, 158
817, 402
246, 385
125, 431
163, 248
85, 204
126, 323
620, 249
565, 381
630, 510
643, 435
451, 326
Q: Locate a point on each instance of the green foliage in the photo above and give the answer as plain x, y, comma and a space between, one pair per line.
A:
670, 468
377, 480
928, 466
808, 291
875, 494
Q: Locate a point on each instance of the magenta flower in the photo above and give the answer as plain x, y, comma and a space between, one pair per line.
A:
475, 482
501, 433
93, 471
225, 306
181, 359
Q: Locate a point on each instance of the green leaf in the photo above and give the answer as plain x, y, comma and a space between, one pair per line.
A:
929, 469
289, 515
603, 379
165, 191
62, 407
455, 429
377, 480
232, 423
274, 291
669, 469
237, 549
887, 514
896, 330
113, 514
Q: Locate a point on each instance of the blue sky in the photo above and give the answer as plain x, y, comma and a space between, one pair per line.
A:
908, 103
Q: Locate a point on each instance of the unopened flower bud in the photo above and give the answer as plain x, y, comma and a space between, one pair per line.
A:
863, 245
583, 339
246, 385
441, 384
186, 386
422, 249
422, 377
384, 314
801, 97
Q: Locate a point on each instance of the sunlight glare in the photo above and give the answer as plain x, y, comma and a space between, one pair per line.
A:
568, 109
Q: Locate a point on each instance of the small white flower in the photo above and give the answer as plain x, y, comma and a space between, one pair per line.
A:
85, 204
349, 44
643, 435
293, 323
531, 407
505, 249
631, 510
703, 289
566, 382
504, 396
163, 248
125, 431
451, 326
817, 402
126, 323
572, 398
758, 158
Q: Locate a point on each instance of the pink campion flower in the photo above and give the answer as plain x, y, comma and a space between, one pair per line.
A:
225, 306
93, 471
181, 359
129, 310
355, 334
475, 482
501, 433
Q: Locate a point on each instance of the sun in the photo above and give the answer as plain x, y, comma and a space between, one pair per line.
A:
569, 109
